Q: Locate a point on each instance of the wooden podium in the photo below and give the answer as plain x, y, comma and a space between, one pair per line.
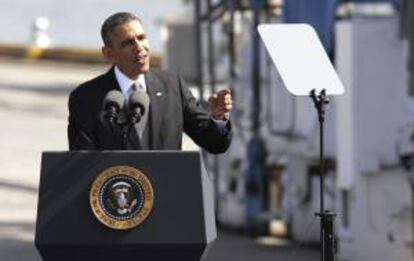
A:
179, 224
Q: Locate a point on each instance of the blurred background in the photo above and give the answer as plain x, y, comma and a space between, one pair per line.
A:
267, 184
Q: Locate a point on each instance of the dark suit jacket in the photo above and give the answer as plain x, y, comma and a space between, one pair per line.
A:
173, 110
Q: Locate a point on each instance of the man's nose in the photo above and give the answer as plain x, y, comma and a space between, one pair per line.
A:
138, 45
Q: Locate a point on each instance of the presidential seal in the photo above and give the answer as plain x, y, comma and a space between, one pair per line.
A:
121, 197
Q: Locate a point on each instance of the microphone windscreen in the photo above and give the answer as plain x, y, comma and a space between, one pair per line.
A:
140, 99
114, 98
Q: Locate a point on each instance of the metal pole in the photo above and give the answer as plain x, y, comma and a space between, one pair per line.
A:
211, 52
199, 46
255, 175
232, 51
256, 105
327, 247
322, 175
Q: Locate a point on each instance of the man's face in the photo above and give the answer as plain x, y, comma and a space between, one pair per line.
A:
129, 49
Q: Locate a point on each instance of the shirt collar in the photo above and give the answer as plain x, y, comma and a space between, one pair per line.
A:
125, 82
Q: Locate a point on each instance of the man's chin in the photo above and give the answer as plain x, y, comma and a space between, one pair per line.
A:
141, 69
144, 68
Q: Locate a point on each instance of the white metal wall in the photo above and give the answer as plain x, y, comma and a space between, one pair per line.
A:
371, 61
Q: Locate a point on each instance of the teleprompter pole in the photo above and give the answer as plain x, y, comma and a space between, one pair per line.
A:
327, 248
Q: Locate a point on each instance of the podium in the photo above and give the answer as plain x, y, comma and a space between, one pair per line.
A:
178, 225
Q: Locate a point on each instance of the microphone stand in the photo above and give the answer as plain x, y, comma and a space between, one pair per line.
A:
114, 120
327, 247
126, 130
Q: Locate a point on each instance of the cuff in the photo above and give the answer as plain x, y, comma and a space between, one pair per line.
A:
222, 122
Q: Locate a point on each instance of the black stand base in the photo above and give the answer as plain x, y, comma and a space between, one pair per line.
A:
328, 244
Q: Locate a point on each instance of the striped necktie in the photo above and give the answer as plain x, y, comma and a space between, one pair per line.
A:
140, 126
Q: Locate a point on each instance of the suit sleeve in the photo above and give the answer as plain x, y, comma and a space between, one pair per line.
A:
80, 127
199, 125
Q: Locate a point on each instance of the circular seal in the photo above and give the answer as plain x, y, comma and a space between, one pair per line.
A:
121, 197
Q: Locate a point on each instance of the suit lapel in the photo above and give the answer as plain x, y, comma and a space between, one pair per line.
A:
111, 82
156, 92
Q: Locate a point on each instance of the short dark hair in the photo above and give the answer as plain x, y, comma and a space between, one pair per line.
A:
108, 27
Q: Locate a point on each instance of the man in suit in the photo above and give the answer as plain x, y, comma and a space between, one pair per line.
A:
172, 107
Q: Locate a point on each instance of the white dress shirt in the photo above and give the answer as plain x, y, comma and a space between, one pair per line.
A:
125, 82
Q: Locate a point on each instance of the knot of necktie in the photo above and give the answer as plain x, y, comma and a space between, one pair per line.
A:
137, 87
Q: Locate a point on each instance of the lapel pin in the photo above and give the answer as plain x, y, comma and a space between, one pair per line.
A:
158, 93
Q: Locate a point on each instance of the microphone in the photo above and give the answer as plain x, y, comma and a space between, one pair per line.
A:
112, 104
138, 104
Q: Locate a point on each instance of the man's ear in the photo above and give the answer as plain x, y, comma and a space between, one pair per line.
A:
107, 52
